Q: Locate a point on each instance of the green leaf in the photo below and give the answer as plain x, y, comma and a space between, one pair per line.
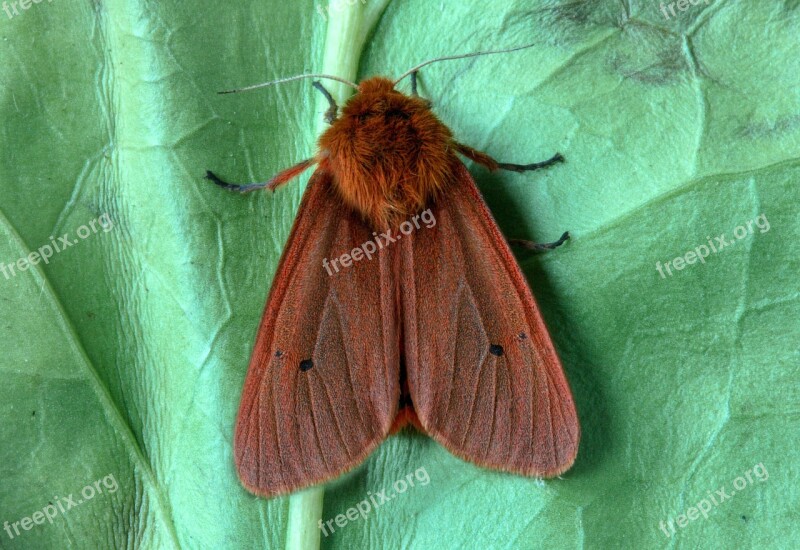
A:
124, 355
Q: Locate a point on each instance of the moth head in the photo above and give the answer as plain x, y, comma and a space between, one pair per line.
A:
376, 85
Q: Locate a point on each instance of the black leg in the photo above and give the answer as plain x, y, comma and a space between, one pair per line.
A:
243, 188
276, 181
333, 109
555, 159
539, 247
415, 91
484, 159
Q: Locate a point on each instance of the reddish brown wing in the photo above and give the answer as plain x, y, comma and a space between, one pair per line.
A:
323, 384
483, 374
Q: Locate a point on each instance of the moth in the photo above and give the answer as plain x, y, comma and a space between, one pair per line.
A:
429, 325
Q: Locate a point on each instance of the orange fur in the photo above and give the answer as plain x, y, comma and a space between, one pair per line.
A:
389, 155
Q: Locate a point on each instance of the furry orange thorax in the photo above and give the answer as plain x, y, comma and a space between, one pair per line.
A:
389, 155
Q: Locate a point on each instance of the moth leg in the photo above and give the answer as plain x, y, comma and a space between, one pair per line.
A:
490, 163
333, 109
279, 179
555, 159
539, 247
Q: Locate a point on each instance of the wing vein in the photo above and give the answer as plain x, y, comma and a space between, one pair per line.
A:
349, 366
475, 392
452, 349
316, 427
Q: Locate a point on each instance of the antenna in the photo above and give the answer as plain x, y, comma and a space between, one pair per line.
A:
462, 56
290, 79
